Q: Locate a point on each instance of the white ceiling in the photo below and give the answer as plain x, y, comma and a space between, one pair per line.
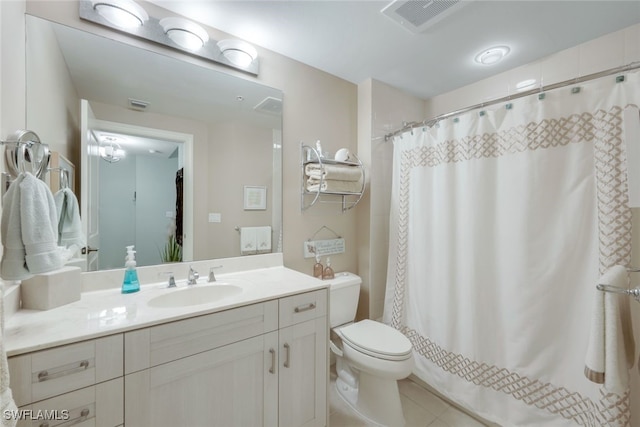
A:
355, 41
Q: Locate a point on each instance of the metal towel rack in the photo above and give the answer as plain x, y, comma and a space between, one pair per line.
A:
24, 153
635, 292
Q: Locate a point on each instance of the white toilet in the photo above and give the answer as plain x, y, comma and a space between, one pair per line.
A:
370, 356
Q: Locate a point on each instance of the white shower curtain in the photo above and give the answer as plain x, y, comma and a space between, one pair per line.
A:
501, 222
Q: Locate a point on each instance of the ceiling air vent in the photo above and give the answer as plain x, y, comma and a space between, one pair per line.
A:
418, 15
269, 105
136, 104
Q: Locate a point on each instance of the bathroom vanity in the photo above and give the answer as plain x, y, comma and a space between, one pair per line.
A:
255, 356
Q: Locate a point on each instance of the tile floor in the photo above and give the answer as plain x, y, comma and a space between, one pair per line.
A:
421, 409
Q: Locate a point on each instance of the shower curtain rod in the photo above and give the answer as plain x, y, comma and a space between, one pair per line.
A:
430, 122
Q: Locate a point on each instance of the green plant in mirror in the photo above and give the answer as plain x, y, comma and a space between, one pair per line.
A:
172, 251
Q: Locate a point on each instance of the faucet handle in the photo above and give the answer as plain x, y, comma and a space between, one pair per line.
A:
192, 279
172, 280
212, 276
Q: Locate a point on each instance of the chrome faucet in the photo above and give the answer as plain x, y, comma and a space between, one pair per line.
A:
171, 283
192, 279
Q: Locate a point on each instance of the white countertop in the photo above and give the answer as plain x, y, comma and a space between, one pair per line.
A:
106, 312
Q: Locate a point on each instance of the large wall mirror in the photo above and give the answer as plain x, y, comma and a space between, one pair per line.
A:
176, 146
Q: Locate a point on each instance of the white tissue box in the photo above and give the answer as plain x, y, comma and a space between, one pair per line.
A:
49, 290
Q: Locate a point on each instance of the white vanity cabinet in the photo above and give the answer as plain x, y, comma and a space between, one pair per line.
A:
304, 370
75, 384
257, 365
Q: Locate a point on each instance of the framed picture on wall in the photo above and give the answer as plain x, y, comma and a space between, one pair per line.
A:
255, 198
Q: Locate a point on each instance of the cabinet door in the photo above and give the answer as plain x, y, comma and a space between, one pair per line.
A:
234, 385
303, 374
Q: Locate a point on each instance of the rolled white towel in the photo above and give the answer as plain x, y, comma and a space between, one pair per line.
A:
333, 186
333, 172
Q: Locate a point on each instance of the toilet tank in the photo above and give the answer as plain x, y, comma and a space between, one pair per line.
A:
344, 291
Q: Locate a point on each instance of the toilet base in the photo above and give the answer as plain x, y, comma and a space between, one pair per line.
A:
375, 399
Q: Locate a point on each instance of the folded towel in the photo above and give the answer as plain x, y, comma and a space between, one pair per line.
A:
334, 172
69, 223
611, 346
263, 239
332, 186
248, 240
13, 266
38, 220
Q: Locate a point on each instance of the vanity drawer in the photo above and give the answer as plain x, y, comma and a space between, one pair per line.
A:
303, 307
97, 405
160, 344
47, 373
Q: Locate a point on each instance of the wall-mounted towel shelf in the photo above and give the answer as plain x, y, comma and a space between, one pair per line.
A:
319, 189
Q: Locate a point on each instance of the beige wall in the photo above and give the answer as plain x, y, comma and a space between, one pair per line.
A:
316, 106
381, 109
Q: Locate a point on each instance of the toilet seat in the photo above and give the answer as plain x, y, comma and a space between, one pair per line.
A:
377, 340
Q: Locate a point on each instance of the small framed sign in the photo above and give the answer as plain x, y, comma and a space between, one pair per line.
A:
255, 198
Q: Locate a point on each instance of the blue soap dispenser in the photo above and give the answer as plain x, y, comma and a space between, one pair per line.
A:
130, 283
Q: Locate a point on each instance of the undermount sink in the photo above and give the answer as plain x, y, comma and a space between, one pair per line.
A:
194, 295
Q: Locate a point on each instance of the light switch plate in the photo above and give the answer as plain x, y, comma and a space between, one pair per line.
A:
215, 217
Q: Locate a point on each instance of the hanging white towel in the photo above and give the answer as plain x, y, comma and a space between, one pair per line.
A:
69, 223
248, 240
611, 346
263, 239
38, 220
13, 265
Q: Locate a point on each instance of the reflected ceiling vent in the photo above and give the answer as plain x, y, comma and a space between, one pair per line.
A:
269, 105
136, 104
418, 15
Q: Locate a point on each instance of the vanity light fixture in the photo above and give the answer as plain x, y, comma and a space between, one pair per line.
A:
185, 33
174, 32
238, 52
492, 55
122, 13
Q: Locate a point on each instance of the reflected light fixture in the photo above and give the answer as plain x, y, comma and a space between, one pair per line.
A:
238, 52
525, 84
110, 150
185, 33
122, 13
492, 55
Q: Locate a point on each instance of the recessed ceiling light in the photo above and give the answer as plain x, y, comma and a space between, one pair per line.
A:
121, 13
492, 55
185, 33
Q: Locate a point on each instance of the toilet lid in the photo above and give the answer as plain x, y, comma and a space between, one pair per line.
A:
377, 339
